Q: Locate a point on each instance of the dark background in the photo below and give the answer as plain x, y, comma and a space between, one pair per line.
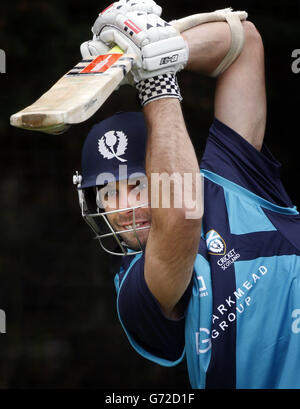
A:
55, 286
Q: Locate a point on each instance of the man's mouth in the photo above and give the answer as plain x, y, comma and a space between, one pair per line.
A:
137, 225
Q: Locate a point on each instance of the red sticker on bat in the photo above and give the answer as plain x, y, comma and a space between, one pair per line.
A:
101, 63
130, 24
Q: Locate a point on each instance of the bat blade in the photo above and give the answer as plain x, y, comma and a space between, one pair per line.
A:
77, 95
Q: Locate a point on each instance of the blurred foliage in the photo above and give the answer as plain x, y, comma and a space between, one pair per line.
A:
56, 288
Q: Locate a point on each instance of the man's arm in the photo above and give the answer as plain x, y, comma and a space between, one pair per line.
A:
240, 98
173, 239
240, 103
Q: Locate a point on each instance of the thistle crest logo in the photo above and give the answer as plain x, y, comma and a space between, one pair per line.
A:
113, 144
215, 244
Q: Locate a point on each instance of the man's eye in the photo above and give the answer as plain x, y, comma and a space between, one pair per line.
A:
110, 193
142, 186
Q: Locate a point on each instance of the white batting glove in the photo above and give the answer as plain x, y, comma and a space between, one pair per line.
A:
124, 6
97, 47
93, 48
158, 46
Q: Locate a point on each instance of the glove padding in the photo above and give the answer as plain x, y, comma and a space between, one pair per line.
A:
158, 46
93, 48
97, 47
124, 6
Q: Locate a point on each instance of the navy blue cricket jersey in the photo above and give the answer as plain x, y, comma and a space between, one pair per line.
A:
241, 328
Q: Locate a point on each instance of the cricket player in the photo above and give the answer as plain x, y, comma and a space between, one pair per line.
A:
216, 279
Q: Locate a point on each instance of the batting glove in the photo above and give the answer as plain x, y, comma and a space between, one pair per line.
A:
94, 48
158, 46
97, 47
124, 6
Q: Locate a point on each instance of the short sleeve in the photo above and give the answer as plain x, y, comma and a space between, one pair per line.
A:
149, 331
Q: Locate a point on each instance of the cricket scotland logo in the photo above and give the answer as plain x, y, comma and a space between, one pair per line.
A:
113, 144
215, 243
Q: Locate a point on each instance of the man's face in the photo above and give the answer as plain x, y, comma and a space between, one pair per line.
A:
125, 195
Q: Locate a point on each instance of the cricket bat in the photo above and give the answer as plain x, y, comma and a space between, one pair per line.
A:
82, 91
76, 96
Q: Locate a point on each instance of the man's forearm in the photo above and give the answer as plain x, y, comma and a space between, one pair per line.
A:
240, 97
208, 44
173, 238
169, 148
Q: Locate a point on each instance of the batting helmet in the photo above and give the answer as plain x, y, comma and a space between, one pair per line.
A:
114, 150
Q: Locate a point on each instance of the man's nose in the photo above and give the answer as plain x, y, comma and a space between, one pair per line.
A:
127, 196
124, 197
